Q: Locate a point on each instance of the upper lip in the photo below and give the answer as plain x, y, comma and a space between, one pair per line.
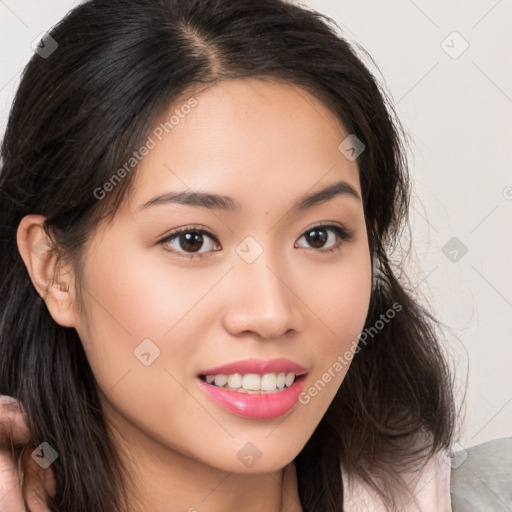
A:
260, 366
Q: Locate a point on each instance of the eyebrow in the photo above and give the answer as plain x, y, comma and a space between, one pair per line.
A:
219, 202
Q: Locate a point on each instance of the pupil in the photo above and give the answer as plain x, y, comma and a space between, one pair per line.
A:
319, 236
190, 239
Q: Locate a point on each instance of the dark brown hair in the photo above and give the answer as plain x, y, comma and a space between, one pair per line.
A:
80, 113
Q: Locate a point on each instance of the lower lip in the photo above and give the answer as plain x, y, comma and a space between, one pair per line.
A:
260, 406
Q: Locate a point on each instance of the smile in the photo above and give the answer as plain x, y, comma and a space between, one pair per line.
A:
252, 382
255, 389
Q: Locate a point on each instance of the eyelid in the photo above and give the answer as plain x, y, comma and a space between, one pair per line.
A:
328, 224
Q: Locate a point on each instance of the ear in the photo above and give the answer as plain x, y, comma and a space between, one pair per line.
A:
54, 285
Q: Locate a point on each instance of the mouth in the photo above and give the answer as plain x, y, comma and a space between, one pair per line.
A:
254, 388
252, 383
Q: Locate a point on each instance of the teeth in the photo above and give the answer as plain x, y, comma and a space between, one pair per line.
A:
235, 380
252, 382
221, 380
268, 382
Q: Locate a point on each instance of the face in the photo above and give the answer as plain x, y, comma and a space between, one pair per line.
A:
257, 275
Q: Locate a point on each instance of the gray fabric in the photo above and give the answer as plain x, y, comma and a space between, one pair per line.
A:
481, 477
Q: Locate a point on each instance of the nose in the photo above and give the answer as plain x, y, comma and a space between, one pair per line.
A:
262, 300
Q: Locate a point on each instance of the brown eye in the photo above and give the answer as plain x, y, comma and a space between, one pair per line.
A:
189, 241
318, 236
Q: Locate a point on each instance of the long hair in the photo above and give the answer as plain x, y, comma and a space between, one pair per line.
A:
80, 112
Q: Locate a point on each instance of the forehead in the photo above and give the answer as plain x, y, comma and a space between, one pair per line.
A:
259, 141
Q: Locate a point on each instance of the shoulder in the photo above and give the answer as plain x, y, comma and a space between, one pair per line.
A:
481, 477
477, 479
428, 489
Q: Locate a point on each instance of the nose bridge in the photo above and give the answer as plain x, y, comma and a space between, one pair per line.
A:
262, 299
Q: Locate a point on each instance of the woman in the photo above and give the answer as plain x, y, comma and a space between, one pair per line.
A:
198, 311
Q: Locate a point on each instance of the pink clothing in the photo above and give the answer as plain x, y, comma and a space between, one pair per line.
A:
431, 487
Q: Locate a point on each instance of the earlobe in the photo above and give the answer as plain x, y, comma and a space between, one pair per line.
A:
53, 284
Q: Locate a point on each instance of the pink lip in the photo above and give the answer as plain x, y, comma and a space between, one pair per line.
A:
259, 366
259, 406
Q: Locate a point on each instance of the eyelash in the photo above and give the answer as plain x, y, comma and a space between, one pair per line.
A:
345, 235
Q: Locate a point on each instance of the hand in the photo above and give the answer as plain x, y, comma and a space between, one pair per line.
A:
39, 482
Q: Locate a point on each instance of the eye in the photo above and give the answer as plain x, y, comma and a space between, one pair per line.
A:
188, 239
319, 235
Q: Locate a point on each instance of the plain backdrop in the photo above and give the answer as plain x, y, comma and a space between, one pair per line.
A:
447, 67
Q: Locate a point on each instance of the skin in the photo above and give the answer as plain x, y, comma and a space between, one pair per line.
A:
264, 144
38, 482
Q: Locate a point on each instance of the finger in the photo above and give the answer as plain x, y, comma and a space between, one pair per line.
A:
13, 428
50, 483
11, 496
36, 503
13, 422
6, 399
38, 481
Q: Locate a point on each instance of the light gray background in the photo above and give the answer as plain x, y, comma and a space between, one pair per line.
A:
457, 111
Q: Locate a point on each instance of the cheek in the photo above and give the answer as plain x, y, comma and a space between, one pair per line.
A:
131, 301
341, 298
139, 314
140, 296
340, 306
145, 310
